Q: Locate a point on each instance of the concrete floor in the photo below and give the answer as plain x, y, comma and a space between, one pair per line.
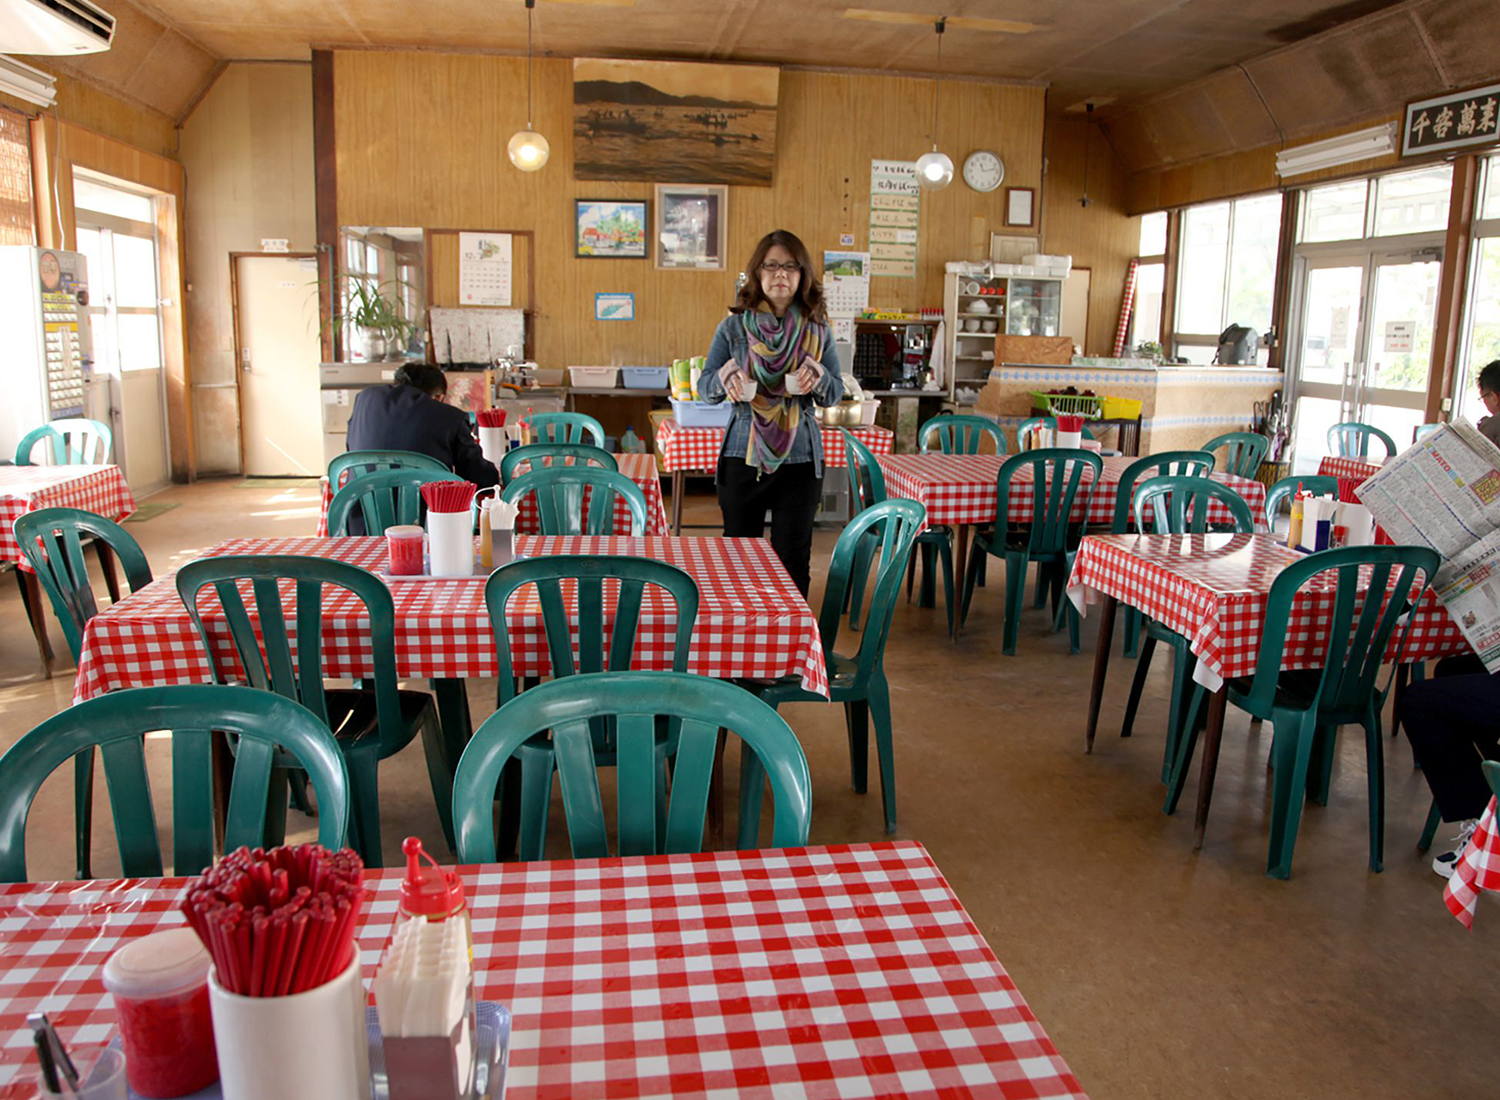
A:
1157, 971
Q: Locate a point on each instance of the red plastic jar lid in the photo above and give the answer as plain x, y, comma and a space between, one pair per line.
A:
428, 891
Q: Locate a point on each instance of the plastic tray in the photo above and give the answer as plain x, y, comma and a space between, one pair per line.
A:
594, 378
700, 414
1067, 403
644, 378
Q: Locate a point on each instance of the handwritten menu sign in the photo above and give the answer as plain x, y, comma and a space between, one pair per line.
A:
895, 209
484, 269
1455, 120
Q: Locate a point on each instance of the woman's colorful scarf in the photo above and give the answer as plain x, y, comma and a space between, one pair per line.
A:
777, 347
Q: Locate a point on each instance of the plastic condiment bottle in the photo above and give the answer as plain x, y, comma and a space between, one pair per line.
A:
432, 892
486, 544
160, 988
1294, 529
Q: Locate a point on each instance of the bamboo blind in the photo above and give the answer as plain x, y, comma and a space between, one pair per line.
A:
15, 179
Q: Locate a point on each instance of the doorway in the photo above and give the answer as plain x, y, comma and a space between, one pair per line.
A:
277, 353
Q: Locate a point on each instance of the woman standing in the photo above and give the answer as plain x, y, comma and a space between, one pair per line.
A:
773, 356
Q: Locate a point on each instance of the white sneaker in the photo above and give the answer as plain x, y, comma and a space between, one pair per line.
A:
1444, 864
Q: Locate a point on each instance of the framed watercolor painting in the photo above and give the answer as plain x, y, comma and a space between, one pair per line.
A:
608, 229
690, 222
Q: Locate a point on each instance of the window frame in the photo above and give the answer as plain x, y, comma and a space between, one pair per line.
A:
1180, 338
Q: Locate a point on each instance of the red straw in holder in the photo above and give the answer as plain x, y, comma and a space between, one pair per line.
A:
278, 922
1067, 422
490, 418
448, 496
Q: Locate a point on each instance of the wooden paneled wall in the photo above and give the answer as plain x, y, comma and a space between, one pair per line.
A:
84, 105
421, 141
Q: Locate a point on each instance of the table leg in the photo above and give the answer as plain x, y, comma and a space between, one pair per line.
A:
107, 567
1101, 666
678, 478
36, 611
1215, 731
961, 533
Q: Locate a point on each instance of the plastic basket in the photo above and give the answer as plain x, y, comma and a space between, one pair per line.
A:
594, 378
700, 414
1069, 403
1120, 408
644, 378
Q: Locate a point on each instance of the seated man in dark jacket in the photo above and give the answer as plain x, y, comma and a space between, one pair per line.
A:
410, 415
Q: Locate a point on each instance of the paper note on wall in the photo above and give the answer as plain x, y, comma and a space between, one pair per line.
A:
484, 269
846, 282
1399, 336
895, 216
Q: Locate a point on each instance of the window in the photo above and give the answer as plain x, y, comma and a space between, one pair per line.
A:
1145, 321
1226, 271
1414, 201
15, 179
1480, 343
117, 235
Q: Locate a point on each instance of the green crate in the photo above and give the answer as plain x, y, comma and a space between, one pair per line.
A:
1068, 404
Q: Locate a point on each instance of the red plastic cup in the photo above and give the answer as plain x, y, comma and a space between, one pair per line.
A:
404, 547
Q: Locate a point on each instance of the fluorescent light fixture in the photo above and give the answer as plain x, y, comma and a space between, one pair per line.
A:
1345, 149
24, 82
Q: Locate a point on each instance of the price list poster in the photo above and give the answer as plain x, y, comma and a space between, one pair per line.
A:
895, 210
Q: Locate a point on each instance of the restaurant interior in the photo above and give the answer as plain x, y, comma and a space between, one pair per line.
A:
1081, 234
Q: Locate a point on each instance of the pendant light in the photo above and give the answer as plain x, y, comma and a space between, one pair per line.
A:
527, 149
935, 169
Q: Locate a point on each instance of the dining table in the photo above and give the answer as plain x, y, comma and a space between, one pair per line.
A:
832, 971
1477, 870
683, 450
959, 492
1212, 589
639, 468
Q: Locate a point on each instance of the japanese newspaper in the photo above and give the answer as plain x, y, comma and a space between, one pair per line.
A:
1444, 493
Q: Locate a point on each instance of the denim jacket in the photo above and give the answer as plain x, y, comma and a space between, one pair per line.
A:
729, 343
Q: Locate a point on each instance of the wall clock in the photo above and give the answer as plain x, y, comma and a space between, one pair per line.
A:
983, 170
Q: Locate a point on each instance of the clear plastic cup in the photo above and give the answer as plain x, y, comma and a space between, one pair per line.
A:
104, 1080
403, 545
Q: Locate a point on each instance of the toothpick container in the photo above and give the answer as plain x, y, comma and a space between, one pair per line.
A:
450, 544
307, 1044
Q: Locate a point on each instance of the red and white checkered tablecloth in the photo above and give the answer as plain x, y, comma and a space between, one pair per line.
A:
639, 468
850, 970
1478, 869
961, 489
1212, 589
752, 621
698, 448
98, 489
1356, 470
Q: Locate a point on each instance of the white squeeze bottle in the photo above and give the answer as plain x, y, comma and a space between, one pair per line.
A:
630, 443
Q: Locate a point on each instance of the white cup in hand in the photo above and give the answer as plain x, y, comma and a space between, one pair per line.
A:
747, 388
794, 381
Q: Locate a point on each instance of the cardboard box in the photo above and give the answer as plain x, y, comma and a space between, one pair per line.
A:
1055, 350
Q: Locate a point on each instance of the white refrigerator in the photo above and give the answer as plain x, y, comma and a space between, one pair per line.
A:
47, 361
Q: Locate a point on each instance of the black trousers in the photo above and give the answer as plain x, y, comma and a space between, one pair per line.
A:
1453, 721
790, 494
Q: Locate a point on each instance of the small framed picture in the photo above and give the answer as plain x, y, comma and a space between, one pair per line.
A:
606, 229
614, 307
690, 224
1020, 206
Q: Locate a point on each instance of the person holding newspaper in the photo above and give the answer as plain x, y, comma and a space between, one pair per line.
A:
1489, 393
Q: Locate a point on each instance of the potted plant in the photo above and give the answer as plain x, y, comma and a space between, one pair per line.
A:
374, 319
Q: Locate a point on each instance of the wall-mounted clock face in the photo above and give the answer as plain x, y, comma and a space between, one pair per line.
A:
983, 170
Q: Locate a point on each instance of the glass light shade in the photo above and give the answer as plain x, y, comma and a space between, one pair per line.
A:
934, 169
528, 151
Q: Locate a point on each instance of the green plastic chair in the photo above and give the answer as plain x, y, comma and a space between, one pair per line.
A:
566, 427
867, 489
368, 462
1243, 451
527, 458
368, 724
560, 493
384, 498
73, 441
616, 621
857, 681
1032, 423
1422, 431
1162, 464
1351, 439
1306, 708
1287, 487
263, 725
1058, 493
639, 703
960, 434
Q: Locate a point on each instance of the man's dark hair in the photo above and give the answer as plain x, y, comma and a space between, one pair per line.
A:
424, 376
1489, 377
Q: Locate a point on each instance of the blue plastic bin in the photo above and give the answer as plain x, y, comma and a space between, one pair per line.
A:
700, 414
644, 378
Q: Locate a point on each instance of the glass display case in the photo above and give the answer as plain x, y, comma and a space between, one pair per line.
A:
1034, 307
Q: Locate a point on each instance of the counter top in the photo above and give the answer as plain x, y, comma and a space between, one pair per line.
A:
1162, 368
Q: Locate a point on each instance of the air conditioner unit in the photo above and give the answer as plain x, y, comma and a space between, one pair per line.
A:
1345, 149
22, 81
54, 27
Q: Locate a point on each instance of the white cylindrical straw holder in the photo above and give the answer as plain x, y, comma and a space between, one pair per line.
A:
450, 544
492, 444
1359, 522
1070, 439
307, 1044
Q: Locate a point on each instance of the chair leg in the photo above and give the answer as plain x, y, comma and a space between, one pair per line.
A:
454, 722
967, 580
1186, 738
880, 711
911, 573
106, 557
1181, 710
982, 573
1320, 768
752, 785
1404, 674
364, 811
1375, 781
857, 719
282, 781
927, 589
536, 799
440, 776
83, 813
1292, 744
1041, 586
1132, 643
1015, 599
1429, 830
945, 556
1137, 685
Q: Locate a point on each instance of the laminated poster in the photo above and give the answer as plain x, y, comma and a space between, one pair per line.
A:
846, 282
484, 269
895, 213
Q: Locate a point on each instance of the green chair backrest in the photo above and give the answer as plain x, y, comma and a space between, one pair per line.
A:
866, 478
960, 434
384, 498
1422, 431
579, 500
1243, 451
1316, 484
1177, 505
566, 427
52, 541
1351, 439
1058, 516
698, 705
262, 723
267, 661
367, 462
1032, 423
1355, 648
590, 579
1165, 463
894, 524
1492, 775
72, 441
520, 460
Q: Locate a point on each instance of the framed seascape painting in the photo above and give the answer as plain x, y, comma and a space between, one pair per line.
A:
610, 229
690, 224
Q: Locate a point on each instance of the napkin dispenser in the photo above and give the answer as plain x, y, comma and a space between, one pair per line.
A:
424, 994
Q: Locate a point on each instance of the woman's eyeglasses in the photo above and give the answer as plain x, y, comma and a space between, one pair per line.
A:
771, 269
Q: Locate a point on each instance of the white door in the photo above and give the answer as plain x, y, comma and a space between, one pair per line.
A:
281, 411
